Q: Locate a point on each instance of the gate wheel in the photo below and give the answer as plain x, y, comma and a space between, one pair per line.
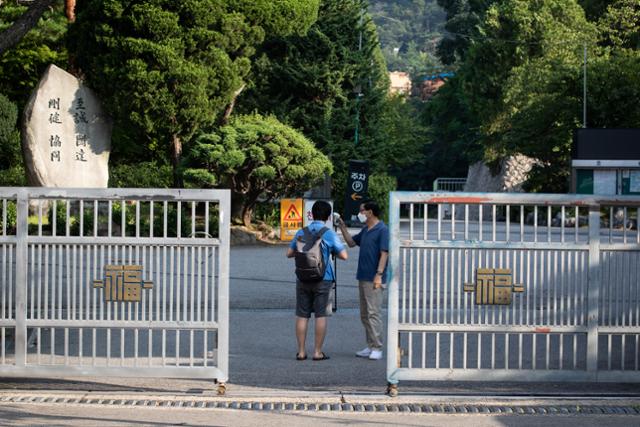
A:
222, 389
392, 389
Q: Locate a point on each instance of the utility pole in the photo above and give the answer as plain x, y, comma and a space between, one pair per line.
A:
358, 96
358, 89
584, 90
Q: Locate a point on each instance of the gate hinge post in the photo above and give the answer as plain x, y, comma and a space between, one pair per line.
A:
593, 291
22, 230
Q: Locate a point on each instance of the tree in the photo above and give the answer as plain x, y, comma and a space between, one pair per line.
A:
165, 68
11, 167
22, 66
281, 17
461, 27
408, 32
13, 34
541, 98
613, 101
405, 137
620, 25
452, 132
329, 84
255, 157
594, 9
526, 99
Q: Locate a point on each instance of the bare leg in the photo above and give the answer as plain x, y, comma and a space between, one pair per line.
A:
301, 334
320, 332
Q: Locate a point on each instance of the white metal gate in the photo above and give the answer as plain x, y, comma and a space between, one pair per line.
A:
516, 287
119, 282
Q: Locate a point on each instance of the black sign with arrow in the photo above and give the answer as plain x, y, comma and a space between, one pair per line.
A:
356, 191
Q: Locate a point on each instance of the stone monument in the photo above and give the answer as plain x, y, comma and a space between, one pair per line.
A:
66, 134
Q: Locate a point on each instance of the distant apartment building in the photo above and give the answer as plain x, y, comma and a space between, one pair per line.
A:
400, 83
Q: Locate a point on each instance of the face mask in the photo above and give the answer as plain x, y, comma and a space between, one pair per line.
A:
362, 217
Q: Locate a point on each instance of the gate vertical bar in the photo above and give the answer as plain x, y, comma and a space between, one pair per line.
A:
394, 267
22, 229
223, 278
593, 289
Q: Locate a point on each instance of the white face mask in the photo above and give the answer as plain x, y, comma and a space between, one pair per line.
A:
362, 217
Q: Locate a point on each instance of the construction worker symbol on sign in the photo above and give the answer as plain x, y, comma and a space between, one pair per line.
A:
293, 214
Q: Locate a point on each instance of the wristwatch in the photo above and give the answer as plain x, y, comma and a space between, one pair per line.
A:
379, 272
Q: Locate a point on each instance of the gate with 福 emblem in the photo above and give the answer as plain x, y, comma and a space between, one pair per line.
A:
114, 282
515, 287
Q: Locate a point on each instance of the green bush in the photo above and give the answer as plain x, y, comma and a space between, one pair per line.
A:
268, 212
61, 219
380, 185
11, 170
11, 215
13, 177
8, 118
141, 175
254, 156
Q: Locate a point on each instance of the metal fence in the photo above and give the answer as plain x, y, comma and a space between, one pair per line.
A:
449, 184
515, 287
122, 282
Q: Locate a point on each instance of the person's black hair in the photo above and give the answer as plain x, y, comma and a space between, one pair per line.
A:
321, 210
370, 205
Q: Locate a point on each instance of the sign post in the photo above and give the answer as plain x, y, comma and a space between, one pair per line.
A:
290, 218
308, 216
356, 191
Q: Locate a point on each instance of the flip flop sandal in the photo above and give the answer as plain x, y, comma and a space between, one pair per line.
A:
324, 357
301, 358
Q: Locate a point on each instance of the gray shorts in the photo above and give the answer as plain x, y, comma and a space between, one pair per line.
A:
313, 298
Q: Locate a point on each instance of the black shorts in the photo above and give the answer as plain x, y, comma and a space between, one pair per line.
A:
313, 298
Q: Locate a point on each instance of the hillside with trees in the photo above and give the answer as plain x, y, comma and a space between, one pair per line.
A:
409, 32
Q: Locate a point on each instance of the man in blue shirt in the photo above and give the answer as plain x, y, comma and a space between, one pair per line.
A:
314, 297
373, 240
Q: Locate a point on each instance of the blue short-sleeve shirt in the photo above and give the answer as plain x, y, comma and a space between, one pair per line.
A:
331, 244
371, 243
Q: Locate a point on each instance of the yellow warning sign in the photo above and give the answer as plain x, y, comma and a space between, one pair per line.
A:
290, 218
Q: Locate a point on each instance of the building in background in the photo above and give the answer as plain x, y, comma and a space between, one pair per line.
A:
400, 83
606, 161
430, 84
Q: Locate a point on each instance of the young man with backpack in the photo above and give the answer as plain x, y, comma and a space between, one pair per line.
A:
312, 247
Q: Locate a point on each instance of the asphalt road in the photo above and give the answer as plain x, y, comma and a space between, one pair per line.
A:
262, 340
262, 278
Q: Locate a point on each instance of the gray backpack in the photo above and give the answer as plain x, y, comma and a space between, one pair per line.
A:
310, 265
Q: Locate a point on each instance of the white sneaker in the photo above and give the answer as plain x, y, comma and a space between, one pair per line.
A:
375, 355
365, 352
